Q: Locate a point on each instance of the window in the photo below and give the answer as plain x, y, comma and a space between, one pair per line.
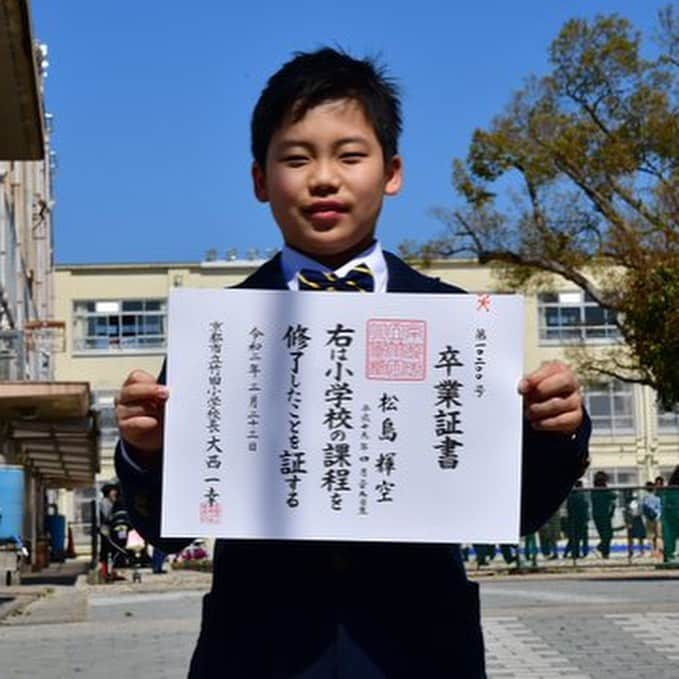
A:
611, 407
108, 425
668, 421
572, 317
119, 325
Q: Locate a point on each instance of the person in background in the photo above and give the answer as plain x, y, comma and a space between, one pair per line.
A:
509, 553
634, 523
659, 487
483, 553
670, 516
577, 509
651, 510
107, 505
530, 548
603, 506
549, 536
158, 560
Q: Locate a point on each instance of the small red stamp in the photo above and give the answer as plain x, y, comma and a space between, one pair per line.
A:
210, 512
483, 302
396, 350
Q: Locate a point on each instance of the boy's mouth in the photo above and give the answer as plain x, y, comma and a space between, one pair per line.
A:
325, 212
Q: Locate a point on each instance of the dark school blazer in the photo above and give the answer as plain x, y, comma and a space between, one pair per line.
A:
312, 609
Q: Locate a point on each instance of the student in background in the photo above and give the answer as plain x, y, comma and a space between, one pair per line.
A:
603, 506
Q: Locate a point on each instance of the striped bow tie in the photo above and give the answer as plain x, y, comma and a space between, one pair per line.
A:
359, 279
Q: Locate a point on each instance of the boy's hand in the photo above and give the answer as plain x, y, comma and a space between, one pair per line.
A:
140, 409
552, 399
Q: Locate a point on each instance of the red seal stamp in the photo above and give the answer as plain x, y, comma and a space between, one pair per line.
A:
210, 512
483, 302
396, 350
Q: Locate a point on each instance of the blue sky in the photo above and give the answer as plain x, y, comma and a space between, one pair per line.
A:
152, 101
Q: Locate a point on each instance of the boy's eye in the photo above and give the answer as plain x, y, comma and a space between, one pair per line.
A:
295, 160
353, 156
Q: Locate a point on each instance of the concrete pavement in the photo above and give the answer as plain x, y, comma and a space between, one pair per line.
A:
618, 622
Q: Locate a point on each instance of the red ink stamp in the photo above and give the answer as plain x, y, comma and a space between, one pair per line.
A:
483, 302
396, 350
210, 512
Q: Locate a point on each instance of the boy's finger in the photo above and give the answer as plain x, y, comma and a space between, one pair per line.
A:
142, 391
555, 378
125, 412
556, 385
565, 423
139, 376
552, 407
137, 425
543, 372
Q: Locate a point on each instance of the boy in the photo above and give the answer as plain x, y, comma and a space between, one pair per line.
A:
324, 141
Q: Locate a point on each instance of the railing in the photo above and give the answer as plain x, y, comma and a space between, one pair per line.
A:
596, 527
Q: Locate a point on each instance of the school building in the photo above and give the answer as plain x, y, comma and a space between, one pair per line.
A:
48, 438
115, 318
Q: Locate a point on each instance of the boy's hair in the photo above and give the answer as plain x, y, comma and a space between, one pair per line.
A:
312, 78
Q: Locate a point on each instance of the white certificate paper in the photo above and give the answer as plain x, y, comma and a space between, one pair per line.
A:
335, 416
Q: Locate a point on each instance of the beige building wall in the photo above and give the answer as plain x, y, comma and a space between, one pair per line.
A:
637, 455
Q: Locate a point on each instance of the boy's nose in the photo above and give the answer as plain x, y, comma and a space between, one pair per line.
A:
323, 179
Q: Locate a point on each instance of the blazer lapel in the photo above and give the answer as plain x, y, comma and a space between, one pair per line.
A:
269, 276
403, 278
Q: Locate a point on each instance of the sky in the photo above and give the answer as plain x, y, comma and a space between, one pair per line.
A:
152, 101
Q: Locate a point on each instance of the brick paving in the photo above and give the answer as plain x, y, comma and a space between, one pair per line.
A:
533, 629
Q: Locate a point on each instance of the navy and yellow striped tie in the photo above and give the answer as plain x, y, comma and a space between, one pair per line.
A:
359, 279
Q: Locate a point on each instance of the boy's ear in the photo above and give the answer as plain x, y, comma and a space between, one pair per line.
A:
394, 174
259, 183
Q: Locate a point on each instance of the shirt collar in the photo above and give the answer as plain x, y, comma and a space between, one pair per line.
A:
293, 261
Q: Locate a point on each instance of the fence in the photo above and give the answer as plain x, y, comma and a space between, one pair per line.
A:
597, 527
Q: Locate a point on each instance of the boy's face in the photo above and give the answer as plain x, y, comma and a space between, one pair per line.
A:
325, 179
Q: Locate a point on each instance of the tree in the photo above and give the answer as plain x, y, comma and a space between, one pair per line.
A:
579, 177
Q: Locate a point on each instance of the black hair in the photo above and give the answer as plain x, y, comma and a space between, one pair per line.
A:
600, 479
328, 74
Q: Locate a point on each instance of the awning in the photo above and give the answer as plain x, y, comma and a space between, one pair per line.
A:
53, 430
21, 115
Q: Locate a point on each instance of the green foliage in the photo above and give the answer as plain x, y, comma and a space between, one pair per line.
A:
593, 150
652, 316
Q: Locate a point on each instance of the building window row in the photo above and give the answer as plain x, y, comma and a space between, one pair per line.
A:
574, 317
119, 325
140, 324
611, 407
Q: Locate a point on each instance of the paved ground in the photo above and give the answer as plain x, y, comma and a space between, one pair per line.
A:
621, 626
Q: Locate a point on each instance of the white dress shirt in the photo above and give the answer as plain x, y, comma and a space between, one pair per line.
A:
293, 261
